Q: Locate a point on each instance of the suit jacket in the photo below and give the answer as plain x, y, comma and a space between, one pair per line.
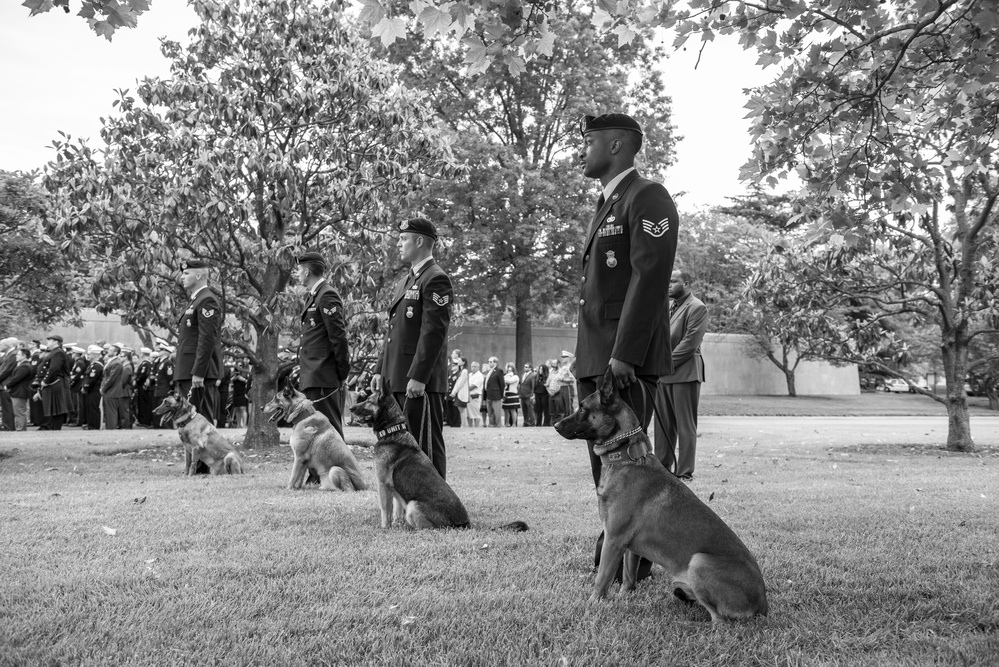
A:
58, 366
18, 381
687, 327
627, 262
526, 388
323, 356
7, 364
114, 374
494, 384
416, 343
199, 339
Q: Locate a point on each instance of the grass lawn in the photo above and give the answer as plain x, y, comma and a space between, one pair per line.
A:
868, 404
876, 551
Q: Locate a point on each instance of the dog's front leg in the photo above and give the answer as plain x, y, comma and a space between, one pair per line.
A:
195, 458
187, 461
629, 576
386, 498
298, 470
610, 556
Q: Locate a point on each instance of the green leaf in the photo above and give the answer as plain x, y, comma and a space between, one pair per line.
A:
389, 30
37, 6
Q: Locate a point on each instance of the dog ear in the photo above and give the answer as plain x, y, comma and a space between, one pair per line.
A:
608, 388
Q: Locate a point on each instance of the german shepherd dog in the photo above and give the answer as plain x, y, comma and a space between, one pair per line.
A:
649, 513
316, 444
205, 449
409, 487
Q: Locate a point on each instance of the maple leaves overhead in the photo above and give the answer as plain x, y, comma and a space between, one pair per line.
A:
103, 16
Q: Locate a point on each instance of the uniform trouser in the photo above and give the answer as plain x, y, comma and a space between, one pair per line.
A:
204, 399
640, 396
677, 404
527, 405
144, 407
93, 401
542, 416
431, 438
7, 411
329, 402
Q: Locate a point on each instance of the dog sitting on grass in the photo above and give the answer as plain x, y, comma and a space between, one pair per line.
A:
316, 444
649, 513
205, 449
409, 487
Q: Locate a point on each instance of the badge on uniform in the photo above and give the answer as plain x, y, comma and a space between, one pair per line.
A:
610, 230
189, 321
655, 229
611, 259
409, 311
207, 312
312, 322
611, 218
441, 300
189, 311
413, 293
329, 311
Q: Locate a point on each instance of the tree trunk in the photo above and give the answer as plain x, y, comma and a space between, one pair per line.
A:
260, 432
524, 338
789, 377
955, 360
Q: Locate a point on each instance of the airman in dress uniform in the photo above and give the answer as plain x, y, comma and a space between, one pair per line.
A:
198, 362
323, 355
414, 360
627, 261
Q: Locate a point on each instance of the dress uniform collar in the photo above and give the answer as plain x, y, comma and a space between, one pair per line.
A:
415, 270
315, 288
198, 291
610, 187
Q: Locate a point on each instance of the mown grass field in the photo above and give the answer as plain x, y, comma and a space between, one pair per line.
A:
876, 551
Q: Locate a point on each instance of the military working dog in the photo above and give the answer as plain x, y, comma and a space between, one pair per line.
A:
205, 449
316, 444
409, 487
649, 513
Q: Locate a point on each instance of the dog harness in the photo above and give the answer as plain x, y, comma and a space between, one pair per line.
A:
395, 428
622, 453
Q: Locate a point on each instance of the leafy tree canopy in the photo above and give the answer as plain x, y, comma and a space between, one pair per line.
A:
103, 16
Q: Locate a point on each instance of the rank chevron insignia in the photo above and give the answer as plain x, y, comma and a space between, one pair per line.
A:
441, 300
329, 311
207, 312
655, 229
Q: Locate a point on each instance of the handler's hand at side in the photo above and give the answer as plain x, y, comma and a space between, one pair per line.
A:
197, 381
376, 383
415, 388
624, 373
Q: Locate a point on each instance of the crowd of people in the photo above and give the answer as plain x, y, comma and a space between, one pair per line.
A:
105, 386
486, 395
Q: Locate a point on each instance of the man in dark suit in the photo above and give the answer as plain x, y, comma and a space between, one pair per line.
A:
198, 363
91, 387
627, 260
493, 387
143, 388
414, 360
526, 392
8, 361
323, 355
163, 382
680, 391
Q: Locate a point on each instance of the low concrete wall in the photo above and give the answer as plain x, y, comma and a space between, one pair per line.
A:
729, 370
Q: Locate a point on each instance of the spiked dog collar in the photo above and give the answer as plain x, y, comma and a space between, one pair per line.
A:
395, 428
622, 453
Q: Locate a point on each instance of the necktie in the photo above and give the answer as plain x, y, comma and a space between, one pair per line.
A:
672, 307
600, 202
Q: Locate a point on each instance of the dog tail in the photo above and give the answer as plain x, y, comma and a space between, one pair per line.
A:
514, 526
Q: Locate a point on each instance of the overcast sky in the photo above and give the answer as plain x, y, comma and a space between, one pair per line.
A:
55, 74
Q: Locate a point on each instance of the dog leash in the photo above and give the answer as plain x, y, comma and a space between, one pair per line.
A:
671, 466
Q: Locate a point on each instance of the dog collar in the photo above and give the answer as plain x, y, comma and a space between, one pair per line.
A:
605, 446
622, 454
190, 415
395, 428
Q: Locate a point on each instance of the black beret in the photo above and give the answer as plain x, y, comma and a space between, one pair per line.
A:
55, 337
419, 226
195, 264
609, 121
311, 257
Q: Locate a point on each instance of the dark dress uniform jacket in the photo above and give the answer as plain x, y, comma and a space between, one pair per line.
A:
687, 326
627, 262
416, 342
323, 357
199, 339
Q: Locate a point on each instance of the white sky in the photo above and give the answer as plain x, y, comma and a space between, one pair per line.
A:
56, 74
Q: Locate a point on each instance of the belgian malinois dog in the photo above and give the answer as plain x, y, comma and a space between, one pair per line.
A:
316, 444
409, 487
649, 513
204, 446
